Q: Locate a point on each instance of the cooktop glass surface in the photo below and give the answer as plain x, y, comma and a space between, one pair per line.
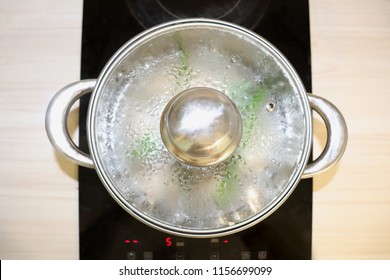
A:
109, 232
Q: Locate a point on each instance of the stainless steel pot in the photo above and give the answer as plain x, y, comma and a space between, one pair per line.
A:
198, 128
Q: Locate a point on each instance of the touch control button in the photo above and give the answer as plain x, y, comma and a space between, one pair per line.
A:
180, 256
131, 255
262, 255
148, 255
245, 255
214, 256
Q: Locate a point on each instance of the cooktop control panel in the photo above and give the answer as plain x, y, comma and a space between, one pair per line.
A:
171, 247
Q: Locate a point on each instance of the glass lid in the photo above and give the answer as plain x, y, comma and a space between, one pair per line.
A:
199, 127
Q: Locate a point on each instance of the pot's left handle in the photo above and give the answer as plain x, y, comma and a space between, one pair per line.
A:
57, 118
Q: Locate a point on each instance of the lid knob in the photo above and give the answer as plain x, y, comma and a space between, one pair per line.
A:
201, 126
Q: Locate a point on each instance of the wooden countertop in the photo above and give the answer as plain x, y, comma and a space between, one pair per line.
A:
40, 53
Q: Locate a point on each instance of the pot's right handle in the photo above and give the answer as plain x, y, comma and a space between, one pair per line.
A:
337, 136
56, 121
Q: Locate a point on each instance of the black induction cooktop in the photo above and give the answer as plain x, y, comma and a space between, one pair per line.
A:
106, 230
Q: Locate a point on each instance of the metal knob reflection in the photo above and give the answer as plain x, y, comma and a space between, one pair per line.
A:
201, 126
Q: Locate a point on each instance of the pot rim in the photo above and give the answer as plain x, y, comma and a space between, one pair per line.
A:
110, 186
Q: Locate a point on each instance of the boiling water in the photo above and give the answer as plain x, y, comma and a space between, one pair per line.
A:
146, 174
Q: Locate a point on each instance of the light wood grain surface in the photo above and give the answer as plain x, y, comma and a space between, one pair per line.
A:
40, 44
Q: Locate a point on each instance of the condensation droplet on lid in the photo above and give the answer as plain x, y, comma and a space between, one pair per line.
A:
119, 76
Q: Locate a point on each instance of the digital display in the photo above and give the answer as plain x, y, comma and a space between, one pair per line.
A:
168, 241
134, 241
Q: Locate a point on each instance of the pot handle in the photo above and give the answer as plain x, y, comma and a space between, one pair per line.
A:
337, 136
57, 119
